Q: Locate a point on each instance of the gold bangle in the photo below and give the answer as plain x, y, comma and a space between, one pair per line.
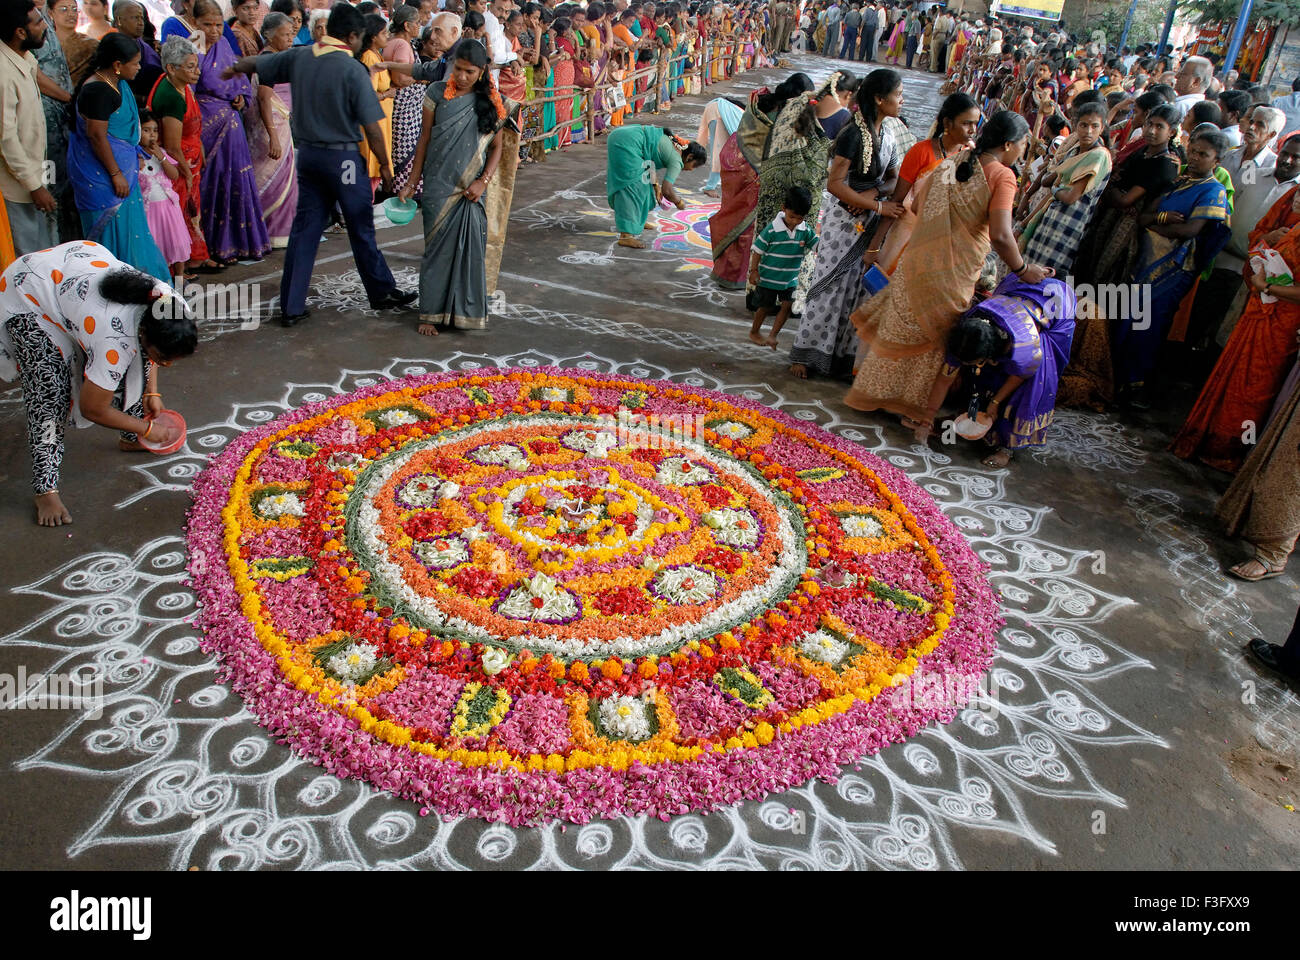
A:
149, 430
158, 395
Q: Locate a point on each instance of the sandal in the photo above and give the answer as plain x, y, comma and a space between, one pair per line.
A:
1266, 572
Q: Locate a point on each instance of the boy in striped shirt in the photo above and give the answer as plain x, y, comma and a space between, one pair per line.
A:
774, 264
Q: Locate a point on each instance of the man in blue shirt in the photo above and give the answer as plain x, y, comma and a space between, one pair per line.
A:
832, 47
333, 99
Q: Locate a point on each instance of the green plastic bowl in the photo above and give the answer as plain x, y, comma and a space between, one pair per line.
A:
400, 211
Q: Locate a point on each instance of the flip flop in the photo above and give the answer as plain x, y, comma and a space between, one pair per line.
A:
1268, 574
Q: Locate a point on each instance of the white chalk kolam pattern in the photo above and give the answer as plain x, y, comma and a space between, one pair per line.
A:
187, 770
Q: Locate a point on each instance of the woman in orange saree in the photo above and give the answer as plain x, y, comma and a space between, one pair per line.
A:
1229, 414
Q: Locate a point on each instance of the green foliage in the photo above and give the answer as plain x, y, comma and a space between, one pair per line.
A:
1281, 11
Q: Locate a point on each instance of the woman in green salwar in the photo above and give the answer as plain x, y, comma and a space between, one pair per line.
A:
633, 184
458, 151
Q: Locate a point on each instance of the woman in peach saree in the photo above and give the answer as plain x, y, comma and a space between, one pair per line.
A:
906, 325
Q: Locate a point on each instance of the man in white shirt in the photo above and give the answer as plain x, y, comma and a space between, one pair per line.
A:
1193, 80
995, 36
1259, 179
1234, 104
1290, 105
498, 46
23, 173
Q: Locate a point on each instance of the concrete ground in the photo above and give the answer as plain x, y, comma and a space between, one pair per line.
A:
1131, 733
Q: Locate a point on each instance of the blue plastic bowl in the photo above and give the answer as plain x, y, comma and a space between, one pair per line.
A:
400, 211
874, 280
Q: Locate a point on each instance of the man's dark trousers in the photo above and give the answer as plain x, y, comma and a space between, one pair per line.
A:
327, 177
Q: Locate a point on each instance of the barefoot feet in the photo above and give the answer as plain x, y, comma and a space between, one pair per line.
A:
627, 240
997, 459
757, 338
50, 511
427, 329
799, 371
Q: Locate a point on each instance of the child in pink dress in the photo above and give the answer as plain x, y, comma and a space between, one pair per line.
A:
162, 207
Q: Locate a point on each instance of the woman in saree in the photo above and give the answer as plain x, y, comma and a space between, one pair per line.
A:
731, 229
1262, 504
897, 39
954, 129
371, 42
402, 31
78, 49
97, 22
184, 25
1109, 252
963, 211
243, 27
1009, 351
720, 120
863, 172
535, 53
1052, 234
633, 152
172, 100
1179, 238
562, 73
270, 141
230, 206
104, 159
957, 50
1249, 374
458, 153
833, 101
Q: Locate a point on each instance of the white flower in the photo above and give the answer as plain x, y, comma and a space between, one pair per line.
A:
555, 395
500, 455
595, 442
448, 490
495, 660
353, 662
539, 598
442, 554
422, 490
733, 430
862, 525
823, 646
281, 505
678, 470
625, 718
344, 460
398, 418
686, 584
736, 528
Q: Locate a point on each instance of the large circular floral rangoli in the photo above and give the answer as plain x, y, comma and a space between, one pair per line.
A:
536, 594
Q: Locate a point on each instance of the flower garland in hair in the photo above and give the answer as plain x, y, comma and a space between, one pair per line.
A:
868, 141
451, 91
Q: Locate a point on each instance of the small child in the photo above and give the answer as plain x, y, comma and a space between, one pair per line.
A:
162, 208
778, 254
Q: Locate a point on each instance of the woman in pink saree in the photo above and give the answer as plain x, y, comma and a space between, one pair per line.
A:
270, 141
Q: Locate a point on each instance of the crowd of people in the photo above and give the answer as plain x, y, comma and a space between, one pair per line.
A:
1077, 226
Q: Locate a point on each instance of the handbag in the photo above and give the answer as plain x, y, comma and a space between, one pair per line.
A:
582, 75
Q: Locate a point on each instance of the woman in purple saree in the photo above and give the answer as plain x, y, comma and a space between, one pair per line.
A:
1010, 350
230, 204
